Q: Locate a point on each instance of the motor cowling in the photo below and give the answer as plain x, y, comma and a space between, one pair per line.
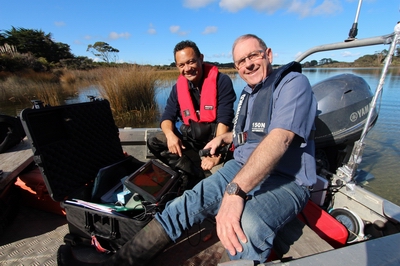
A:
343, 106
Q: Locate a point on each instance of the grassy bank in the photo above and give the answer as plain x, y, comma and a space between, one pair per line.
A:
130, 90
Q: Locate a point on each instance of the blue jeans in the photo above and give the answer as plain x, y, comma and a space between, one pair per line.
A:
271, 205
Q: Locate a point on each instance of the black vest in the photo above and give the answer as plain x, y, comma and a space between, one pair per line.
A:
261, 116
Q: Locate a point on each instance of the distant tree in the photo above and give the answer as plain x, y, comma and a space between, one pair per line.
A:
79, 62
103, 50
380, 55
36, 42
325, 61
313, 63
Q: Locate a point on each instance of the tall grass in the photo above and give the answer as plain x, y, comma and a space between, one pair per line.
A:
28, 86
131, 91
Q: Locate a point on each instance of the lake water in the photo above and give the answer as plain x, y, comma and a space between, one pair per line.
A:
382, 152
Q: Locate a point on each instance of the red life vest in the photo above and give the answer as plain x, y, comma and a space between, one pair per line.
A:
208, 99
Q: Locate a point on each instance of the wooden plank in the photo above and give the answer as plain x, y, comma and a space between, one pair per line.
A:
14, 161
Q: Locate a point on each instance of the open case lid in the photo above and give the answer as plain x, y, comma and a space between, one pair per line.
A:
71, 143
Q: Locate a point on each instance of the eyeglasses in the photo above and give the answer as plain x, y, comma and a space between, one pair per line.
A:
252, 57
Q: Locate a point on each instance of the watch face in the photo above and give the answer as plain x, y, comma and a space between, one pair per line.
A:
231, 189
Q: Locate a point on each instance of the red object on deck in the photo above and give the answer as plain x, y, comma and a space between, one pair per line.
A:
325, 225
35, 194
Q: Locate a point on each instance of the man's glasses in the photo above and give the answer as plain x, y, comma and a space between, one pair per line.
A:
252, 57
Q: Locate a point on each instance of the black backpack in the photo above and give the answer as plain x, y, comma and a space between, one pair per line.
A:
11, 132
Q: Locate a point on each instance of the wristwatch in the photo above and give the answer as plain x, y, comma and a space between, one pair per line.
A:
233, 189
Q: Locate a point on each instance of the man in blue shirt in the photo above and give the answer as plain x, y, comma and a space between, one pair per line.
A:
266, 184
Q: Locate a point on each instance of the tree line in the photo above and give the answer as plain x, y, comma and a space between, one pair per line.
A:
22, 48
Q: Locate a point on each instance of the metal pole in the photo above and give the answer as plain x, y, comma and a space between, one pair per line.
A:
388, 61
358, 11
342, 45
353, 31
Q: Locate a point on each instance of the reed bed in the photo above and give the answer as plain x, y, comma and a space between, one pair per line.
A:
28, 87
131, 91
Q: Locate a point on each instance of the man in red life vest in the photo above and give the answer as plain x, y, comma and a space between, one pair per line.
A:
202, 99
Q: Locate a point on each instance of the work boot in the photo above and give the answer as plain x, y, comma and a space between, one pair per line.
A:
194, 174
138, 251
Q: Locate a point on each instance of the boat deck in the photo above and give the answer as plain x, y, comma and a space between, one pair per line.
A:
32, 236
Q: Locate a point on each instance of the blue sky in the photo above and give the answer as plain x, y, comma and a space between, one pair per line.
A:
146, 31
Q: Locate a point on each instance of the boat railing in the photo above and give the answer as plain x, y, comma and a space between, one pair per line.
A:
385, 39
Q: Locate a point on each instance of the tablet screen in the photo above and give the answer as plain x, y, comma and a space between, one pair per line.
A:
151, 181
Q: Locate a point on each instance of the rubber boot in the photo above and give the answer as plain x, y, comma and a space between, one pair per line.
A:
144, 246
138, 251
193, 173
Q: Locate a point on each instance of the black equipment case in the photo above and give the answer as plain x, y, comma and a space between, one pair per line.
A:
71, 143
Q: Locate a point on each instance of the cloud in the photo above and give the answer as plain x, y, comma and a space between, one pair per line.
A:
210, 29
151, 29
327, 7
174, 29
177, 30
87, 37
349, 54
260, 5
113, 35
59, 23
302, 7
196, 3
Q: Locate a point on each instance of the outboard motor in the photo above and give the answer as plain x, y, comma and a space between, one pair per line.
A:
343, 106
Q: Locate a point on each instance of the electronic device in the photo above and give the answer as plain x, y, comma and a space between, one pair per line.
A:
153, 181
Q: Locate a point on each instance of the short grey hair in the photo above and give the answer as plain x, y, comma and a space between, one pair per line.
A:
249, 36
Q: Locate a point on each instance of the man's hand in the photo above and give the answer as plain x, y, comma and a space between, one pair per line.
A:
207, 163
228, 223
214, 144
174, 143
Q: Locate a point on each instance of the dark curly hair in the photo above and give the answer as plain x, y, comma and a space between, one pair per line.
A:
185, 44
